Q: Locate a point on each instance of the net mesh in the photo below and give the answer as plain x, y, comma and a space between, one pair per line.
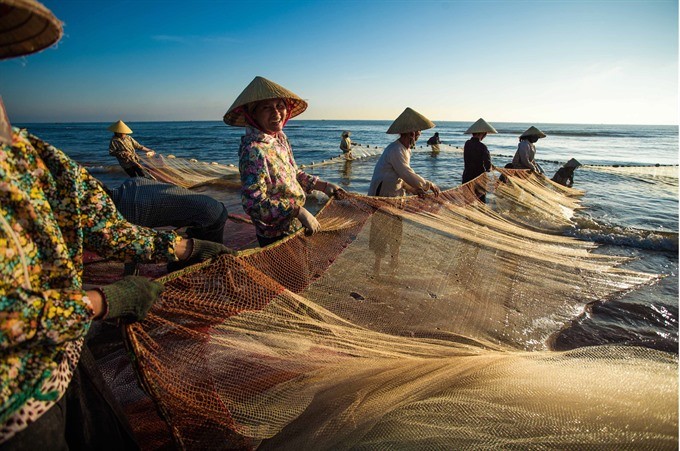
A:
189, 173
406, 323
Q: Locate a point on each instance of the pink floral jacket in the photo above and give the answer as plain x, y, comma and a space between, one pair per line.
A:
272, 186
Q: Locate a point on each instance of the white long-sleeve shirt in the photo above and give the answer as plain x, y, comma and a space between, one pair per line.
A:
392, 170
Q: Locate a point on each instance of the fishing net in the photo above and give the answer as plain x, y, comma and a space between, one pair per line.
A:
189, 173
666, 174
192, 173
414, 323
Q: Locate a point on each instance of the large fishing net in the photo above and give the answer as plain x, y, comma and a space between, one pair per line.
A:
407, 323
193, 173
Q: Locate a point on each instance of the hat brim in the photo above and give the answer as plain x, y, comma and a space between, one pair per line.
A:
409, 121
262, 89
119, 127
26, 27
481, 126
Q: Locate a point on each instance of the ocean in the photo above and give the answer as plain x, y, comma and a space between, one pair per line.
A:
632, 213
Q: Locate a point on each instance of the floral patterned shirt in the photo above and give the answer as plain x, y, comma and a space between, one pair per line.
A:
272, 186
123, 148
50, 210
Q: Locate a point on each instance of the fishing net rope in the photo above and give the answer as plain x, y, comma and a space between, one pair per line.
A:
192, 173
406, 323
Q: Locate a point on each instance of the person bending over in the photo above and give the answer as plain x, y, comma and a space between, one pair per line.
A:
525, 157
123, 147
151, 203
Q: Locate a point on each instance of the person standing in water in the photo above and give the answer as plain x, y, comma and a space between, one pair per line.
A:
346, 145
123, 147
434, 143
273, 189
476, 156
525, 157
394, 177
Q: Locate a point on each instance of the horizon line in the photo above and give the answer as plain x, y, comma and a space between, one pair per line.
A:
352, 120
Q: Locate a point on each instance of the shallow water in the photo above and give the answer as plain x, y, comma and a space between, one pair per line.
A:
633, 215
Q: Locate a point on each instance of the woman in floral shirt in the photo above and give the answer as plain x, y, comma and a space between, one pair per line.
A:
273, 188
51, 392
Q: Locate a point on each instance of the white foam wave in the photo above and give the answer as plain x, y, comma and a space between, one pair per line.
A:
654, 240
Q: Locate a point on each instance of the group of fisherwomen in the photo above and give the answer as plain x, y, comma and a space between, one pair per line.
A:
52, 210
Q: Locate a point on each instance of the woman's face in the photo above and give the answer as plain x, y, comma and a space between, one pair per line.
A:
270, 115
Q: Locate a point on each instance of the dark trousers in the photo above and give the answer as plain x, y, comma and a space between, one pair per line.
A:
86, 418
135, 171
212, 232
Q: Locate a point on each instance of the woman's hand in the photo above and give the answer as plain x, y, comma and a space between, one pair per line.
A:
308, 221
421, 192
328, 188
333, 190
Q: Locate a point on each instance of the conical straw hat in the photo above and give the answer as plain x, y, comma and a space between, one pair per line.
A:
533, 131
481, 126
573, 163
409, 121
26, 27
261, 89
119, 127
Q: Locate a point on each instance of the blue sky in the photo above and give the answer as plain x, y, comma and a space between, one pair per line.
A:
544, 61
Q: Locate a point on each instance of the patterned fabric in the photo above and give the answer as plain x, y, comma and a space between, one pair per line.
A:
272, 186
123, 148
50, 210
150, 203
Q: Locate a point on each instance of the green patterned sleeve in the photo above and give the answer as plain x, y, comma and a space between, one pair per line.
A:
110, 235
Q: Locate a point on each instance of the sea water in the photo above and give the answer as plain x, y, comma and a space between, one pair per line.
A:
627, 215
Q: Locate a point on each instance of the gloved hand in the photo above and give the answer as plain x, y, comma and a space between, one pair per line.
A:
201, 250
131, 297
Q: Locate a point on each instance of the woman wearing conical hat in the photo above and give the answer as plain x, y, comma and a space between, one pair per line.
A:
273, 189
346, 145
526, 150
565, 174
123, 147
393, 175
476, 156
52, 210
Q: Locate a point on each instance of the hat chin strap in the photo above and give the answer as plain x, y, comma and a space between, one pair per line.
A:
251, 121
289, 111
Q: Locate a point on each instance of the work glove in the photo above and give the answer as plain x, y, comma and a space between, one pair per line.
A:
201, 250
130, 298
